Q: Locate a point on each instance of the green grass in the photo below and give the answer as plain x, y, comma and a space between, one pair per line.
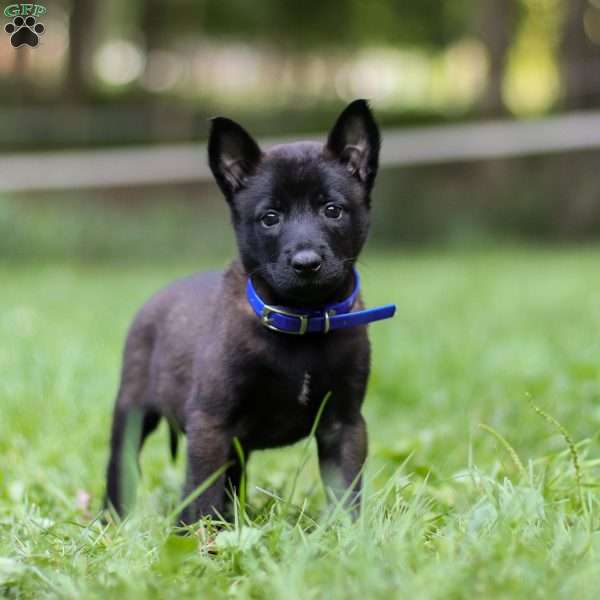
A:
449, 513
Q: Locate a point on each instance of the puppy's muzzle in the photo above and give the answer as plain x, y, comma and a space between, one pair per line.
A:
306, 263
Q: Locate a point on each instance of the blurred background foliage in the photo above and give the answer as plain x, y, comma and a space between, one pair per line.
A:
288, 64
147, 72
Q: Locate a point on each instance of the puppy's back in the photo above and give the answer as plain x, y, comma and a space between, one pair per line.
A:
163, 338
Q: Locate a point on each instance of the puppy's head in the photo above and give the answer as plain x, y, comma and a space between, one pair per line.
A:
300, 211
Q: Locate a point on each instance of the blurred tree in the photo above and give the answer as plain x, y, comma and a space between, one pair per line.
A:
81, 20
153, 19
580, 55
496, 26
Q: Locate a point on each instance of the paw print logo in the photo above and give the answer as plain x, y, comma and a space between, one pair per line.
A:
24, 31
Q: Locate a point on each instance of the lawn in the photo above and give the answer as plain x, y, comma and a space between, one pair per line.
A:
452, 510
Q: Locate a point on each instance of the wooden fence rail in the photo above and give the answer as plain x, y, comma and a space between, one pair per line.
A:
182, 163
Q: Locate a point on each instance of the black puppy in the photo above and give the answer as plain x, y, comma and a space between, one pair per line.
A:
216, 353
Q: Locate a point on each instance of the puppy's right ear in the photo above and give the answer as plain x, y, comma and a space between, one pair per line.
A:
233, 155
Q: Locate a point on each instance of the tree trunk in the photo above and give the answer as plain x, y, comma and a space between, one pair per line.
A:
496, 25
154, 14
81, 25
580, 57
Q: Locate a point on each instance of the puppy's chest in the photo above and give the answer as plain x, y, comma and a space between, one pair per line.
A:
291, 389
281, 402
280, 410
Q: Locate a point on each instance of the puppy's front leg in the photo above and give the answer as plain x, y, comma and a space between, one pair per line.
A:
208, 450
342, 447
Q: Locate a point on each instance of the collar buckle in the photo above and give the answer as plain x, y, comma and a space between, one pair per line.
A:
268, 310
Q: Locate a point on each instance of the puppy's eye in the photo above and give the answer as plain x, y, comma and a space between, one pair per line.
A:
270, 219
333, 211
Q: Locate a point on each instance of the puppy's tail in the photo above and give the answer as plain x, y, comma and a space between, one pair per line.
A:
173, 441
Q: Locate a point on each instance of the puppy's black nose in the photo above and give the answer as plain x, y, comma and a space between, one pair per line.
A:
306, 262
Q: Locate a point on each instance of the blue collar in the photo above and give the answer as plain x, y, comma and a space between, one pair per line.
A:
316, 320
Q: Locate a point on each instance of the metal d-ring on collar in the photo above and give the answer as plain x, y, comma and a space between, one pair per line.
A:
332, 316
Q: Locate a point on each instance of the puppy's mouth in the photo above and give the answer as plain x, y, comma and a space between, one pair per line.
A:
301, 290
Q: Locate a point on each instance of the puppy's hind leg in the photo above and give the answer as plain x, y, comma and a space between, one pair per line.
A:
133, 421
130, 429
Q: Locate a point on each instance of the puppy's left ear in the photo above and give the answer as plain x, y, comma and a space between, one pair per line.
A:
233, 155
355, 141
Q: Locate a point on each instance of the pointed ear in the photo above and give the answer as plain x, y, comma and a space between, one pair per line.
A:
355, 140
233, 155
